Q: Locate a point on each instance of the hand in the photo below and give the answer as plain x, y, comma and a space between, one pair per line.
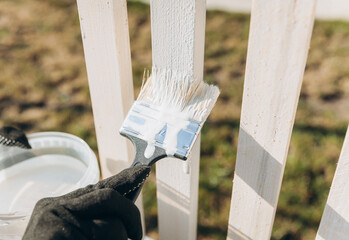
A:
100, 211
11, 136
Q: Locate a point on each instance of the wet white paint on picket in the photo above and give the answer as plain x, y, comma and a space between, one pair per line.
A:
178, 32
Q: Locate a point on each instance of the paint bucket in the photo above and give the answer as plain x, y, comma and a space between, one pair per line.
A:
57, 164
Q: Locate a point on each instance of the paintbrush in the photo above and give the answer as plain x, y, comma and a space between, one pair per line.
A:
167, 116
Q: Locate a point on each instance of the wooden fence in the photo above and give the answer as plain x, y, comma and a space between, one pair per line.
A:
278, 45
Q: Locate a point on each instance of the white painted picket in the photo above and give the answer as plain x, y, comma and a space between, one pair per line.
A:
106, 43
105, 36
279, 39
278, 45
335, 219
178, 33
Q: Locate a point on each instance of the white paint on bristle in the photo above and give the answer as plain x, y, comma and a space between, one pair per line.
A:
160, 116
178, 97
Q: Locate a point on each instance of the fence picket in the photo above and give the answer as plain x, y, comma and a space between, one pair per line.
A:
108, 61
178, 31
105, 36
279, 39
335, 219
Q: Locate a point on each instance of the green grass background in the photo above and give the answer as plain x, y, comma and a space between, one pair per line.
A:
43, 87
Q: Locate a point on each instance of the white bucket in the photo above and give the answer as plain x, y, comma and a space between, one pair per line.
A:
57, 164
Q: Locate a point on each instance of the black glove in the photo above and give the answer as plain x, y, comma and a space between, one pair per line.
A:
10, 136
100, 211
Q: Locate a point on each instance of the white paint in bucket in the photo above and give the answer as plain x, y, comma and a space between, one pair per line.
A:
57, 164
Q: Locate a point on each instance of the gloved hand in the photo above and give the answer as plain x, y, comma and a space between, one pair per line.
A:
11, 136
100, 211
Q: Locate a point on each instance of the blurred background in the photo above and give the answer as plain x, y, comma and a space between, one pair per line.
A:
43, 87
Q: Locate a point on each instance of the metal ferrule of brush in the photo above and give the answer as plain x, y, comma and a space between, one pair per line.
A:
143, 118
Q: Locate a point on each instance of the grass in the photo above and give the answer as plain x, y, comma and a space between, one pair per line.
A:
43, 87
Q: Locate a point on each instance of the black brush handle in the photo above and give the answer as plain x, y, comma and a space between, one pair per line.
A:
140, 146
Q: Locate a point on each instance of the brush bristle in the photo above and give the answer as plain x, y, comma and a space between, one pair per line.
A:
170, 89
